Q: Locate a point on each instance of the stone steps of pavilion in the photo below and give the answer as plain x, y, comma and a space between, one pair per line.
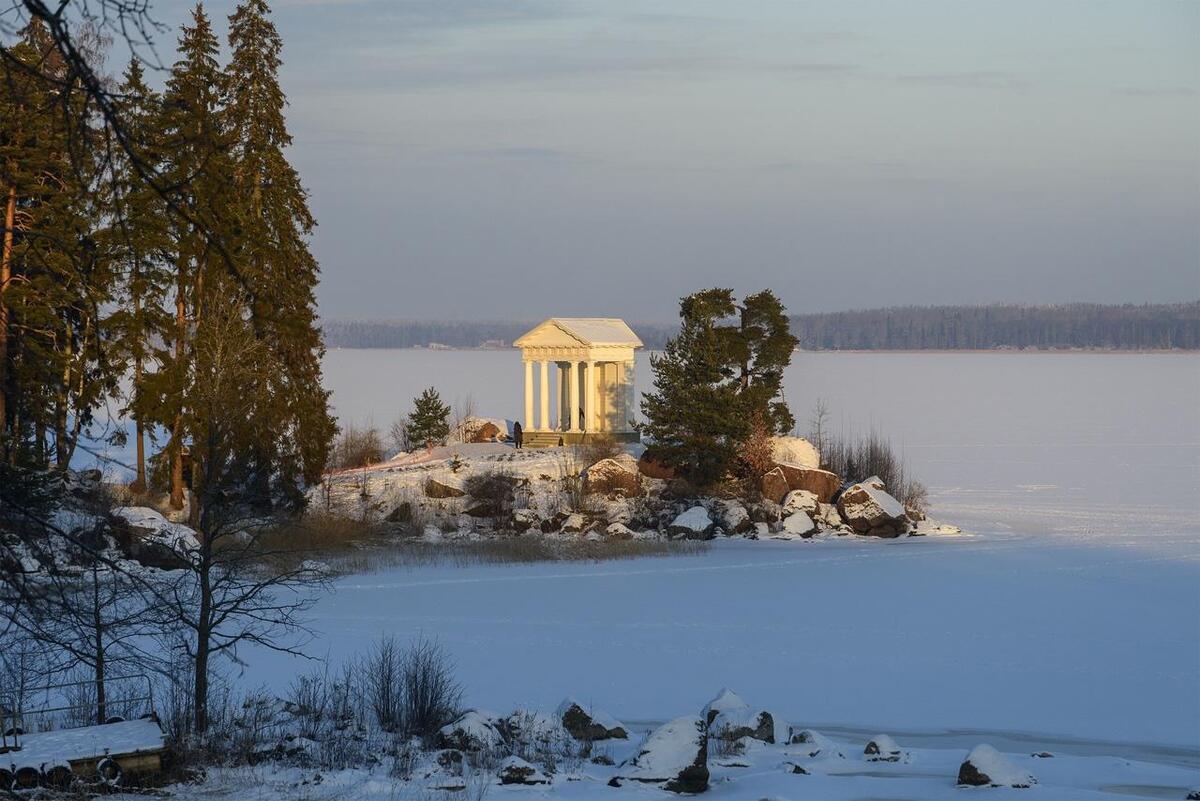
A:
551, 439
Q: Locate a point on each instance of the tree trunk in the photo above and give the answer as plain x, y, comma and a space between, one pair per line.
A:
98, 629
139, 481
203, 640
10, 222
177, 425
62, 454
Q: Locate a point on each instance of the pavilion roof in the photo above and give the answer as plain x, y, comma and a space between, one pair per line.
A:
592, 331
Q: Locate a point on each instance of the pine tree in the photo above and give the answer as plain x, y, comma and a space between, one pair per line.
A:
429, 421
274, 226
718, 383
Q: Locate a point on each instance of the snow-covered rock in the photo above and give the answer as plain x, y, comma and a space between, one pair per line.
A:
587, 724
675, 754
734, 724
524, 519
723, 701
573, 524
615, 474
883, 748
795, 450
800, 501
694, 524
729, 717
514, 770
151, 525
985, 766
814, 745
798, 524
536, 729
472, 731
734, 518
619, 531
868, 509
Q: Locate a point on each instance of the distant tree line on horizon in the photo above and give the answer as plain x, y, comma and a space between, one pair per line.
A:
1074, 325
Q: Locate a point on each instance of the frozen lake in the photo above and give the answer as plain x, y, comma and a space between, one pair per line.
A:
1072, 609
1009, 441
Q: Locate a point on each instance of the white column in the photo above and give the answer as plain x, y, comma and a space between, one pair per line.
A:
563, 417
630, 370
528, 396
589, 398
545, 396
573, 398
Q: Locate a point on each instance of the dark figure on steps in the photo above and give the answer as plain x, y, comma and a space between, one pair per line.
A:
518, 436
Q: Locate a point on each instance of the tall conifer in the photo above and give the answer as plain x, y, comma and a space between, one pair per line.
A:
274, 226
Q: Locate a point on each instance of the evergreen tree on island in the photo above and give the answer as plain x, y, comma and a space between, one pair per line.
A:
718, 383
429, 422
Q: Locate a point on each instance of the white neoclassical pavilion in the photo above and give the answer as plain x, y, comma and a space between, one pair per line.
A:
594, 363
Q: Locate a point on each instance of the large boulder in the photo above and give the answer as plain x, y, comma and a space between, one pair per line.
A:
798, 524
586, 724
734, 518
440, 489
675, 754
868, 509
774, 485
987, 767
616, 474
151, 539
472, 731
694, 524
795, 450
801, 501
821, 483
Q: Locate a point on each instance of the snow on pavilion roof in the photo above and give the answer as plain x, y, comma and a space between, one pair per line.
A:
591, 331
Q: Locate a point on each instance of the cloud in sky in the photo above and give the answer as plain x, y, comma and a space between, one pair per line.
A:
607, 156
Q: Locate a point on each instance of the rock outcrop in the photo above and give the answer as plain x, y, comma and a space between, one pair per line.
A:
882, 748
514, 770
821, 483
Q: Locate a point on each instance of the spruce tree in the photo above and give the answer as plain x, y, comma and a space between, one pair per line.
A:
718, 379
274, 225
195, 139
140, 241
429, 422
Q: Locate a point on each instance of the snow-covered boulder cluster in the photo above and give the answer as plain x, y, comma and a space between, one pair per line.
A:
491, 489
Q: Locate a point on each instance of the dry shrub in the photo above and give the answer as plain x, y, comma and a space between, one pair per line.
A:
872, 454
756, 454
411, 691
599, 447
356, 447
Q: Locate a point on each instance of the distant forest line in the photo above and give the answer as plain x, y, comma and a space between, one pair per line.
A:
1171, 326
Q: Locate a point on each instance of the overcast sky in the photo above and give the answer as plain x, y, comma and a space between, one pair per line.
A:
522, 158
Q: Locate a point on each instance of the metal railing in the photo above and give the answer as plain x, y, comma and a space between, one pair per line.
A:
16, 716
